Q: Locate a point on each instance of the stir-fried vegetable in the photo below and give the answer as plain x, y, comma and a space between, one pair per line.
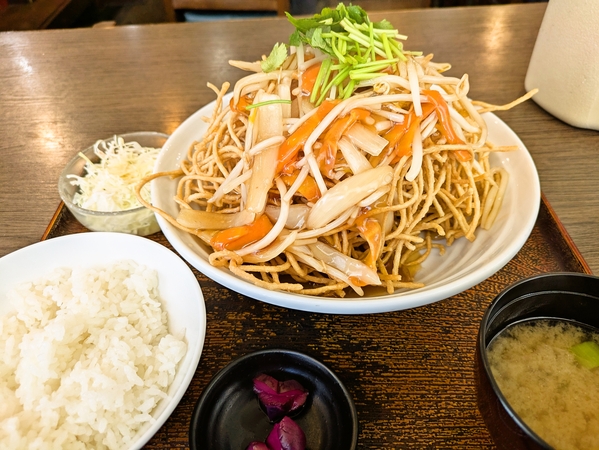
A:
339, 164
347, 193
269, 124
238, 237
290, 149
359, 49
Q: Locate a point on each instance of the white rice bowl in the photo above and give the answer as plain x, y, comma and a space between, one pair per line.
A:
100, 335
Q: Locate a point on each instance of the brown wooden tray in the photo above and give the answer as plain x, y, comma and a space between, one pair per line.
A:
410, 372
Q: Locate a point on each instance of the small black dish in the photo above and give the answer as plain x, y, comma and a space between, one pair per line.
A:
228, 415
572, 297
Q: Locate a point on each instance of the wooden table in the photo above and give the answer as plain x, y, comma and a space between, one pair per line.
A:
61, 90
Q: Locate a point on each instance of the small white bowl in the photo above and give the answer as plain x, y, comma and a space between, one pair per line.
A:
180, 293
140, 220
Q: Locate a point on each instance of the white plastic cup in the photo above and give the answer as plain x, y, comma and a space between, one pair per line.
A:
564, 65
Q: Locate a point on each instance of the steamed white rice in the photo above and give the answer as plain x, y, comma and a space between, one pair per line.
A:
85, 358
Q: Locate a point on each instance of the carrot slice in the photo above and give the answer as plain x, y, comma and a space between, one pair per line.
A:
238, 237
309, 78
371, 231
289, 149
241, 104
412, 122
394, 136
308, 189
328, 152
396, 132
442, 110
444, 125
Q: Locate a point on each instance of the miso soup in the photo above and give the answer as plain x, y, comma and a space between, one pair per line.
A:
544, 382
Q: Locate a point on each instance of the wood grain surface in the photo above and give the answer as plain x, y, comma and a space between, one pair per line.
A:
410, 372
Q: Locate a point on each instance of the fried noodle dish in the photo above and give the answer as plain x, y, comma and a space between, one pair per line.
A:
340, 162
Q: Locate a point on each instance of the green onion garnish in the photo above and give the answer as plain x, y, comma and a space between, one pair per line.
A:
587, 354
267, 102
358, 48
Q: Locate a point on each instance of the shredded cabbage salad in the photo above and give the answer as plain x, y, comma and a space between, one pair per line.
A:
109, 185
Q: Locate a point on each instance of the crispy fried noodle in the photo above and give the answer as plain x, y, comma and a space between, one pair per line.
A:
340, 167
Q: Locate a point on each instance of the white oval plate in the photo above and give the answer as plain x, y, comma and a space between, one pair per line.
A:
179, 290
464, 264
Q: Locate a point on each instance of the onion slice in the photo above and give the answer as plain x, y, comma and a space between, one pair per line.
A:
347, 193
354, 268
273, 250
356, 160
204, 220
417, 155
296, 218
307, 258
366, 139
269, 124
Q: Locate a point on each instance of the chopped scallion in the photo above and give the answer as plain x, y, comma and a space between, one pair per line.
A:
268, 102
365, 76
356, 47
321, 78
587, 354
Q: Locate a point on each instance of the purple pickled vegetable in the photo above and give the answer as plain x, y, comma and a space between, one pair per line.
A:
286, 435
257, 446
279, 398
292, 387
265, 382
275, 405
